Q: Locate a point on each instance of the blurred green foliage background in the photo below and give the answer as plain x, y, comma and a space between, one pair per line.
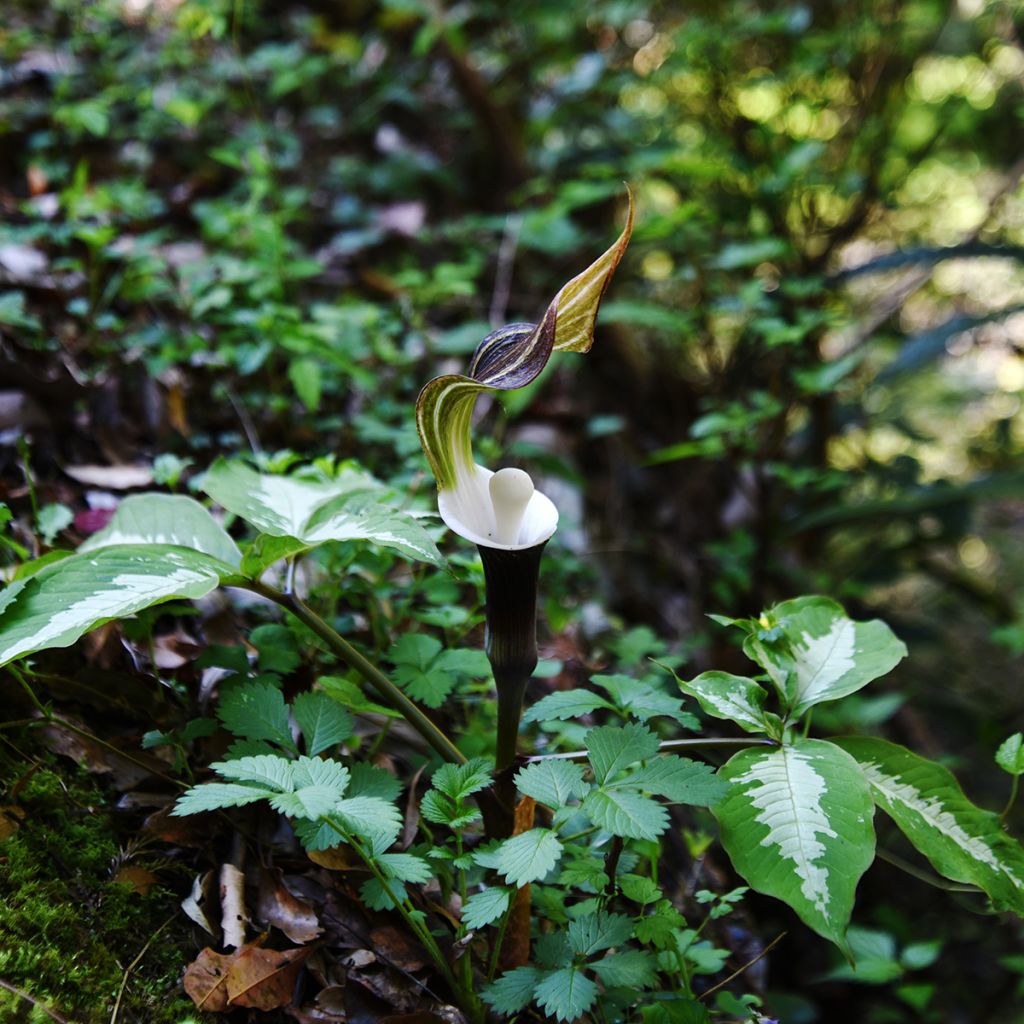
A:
231, 225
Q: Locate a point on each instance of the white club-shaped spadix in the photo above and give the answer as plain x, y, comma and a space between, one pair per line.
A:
498, 510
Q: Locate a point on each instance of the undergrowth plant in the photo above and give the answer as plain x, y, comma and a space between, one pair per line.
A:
550, 868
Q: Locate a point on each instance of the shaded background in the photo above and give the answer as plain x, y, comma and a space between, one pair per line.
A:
262, 226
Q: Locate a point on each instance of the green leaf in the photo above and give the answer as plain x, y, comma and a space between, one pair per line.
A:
960, 840
344, 509
512, 991
731, 698
594, 932
318, 771
529, 857
659, 928
630, 968
557, 707
819, 654
166, 519
307, 379
678, 779
369, 780
553, 782
625, 813
212, 796
796, 823
507, 359
486, 906
308, 802
277, 647
270, 771
461, 780
1010, 755
370, 817
52, 519
406, 867
68, 598
643, 700
256, 711
377, 897
612, 748
639, 889
323, 721
566, 993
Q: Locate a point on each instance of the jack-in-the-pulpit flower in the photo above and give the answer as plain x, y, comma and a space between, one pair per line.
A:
501, 512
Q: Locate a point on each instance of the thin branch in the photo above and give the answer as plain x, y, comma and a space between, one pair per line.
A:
746, 967
131, 967
53, 1014
710, 744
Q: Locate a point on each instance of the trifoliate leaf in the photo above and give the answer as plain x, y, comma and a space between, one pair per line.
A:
271, 771
278, 648
639, 889
659, 928
256, 711
484, 907
566, 993
625, 813
512, 991
529, 857
309, 802
369, 780
1010, 755
213, 795
629, 968
592, 933
612, 748
466, 662
558, 707
461, 780
644, 700
406, 867
678, 779
323, 721
553, 782
376, 897
316, 771
417, 650
371, 818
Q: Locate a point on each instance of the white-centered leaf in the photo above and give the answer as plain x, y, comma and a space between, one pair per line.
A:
66, 599
797, 824
529, 857
731, 698
166, 519
553, 782
813, 652
962, 841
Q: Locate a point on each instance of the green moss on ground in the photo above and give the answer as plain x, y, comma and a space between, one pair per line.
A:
67, 930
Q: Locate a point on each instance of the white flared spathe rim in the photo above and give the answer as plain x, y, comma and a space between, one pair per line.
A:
468, 511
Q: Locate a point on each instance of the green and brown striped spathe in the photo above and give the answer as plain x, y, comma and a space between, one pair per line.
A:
509, 358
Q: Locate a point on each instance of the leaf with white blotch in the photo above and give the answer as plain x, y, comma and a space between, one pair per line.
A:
485, 907
510, 358
212, 796
166, 519
566, 993
553, 782
797, 824
323, 721
529, 857
731, 698
312, 512
962, 841
612, 748
1010, 755
813, 652
679, 779
66, 599
557, 707
625, 813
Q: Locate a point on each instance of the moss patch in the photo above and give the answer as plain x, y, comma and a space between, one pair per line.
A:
67, 930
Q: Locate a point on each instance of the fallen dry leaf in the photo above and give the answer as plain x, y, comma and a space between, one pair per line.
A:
253, 977
392, 945
139, 878
278, 907
10, 821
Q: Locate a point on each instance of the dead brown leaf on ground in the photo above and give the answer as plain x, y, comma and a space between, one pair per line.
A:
252, 977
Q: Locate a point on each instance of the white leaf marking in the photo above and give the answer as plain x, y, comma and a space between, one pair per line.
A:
822, 661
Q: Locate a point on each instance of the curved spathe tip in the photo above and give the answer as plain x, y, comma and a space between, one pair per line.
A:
468, 510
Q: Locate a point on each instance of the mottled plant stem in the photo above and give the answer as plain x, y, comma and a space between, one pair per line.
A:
373, 675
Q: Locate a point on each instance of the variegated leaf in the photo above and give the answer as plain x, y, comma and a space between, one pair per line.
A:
733, 698
813, 652
797, 824
509, 358
962, 841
